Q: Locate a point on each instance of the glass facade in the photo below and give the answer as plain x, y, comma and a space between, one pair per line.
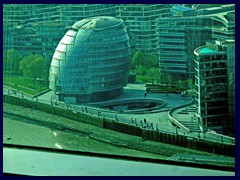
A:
91, 61
178, 37
38, 28
214, 91
140, 20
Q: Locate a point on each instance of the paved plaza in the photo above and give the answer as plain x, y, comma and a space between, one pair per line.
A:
158, 120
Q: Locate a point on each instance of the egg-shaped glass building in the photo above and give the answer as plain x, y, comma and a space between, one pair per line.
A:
91, 61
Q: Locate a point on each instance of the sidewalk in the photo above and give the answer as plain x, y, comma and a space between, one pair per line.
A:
155, 121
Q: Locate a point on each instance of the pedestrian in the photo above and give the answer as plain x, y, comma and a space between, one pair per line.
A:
144, 120
132, 120
152, 125
141, 123
144, 123
145, 95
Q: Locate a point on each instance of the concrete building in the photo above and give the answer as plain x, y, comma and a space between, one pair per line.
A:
91, 61
214, 78
140, 20
181, 34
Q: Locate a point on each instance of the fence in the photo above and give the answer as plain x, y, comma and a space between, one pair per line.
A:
154, 135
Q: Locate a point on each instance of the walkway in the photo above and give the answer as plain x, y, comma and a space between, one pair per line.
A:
155, 121
187, 117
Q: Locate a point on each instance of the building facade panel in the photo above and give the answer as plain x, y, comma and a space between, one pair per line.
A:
88, 66
212, 86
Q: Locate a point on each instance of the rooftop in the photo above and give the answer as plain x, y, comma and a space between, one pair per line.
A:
97, 22
206, 50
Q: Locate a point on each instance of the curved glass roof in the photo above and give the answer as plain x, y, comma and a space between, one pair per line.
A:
97, 22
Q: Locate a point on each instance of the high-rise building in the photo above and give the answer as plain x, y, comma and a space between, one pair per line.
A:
215, 85
31, 28
140, 20
181, 34
231, 86
70, 13
178, 37
91, 61
37, 28
224, 25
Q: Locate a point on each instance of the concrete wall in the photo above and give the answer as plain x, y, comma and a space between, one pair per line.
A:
153, 135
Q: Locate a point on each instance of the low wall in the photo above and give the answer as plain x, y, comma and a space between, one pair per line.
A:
134, 100
77, 116
176, 122
41, 93
146, 134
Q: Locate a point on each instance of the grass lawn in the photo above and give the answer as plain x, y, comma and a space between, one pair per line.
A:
24, 84
142, 79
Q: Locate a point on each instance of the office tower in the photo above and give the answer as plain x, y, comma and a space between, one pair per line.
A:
31, 28
37, 28
178, 37
231, 86
224, 25
71, 13
214, 78
186, 30
91, 61
140, 20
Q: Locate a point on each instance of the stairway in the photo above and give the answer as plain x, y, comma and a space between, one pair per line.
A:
192, 126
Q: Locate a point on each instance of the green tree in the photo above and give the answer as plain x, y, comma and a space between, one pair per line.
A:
140, 70
153, 75
147, 61
138, 59
11, 60
190, 83
151, 61
34, 66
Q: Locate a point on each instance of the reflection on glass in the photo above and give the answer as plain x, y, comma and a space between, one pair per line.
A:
143, 80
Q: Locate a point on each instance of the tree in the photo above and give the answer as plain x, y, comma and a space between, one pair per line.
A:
151, 61
138, 59
11, 60
153, 75
140, 70
190, 83
147, 61
145, 65
34, 66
